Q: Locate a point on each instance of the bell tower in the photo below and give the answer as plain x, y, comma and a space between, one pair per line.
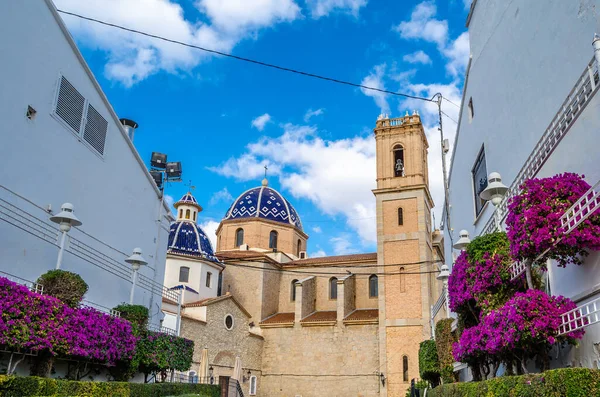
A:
404, 247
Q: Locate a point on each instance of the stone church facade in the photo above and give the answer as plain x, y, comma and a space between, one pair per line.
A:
332, 326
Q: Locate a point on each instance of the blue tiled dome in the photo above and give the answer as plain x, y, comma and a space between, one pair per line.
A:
264, 202
187, 199
187, 238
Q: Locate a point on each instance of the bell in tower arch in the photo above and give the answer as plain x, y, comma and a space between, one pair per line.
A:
398, 161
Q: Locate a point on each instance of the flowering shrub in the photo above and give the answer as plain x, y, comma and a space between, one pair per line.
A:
459, 285
158, 352
43, 323
533, 221
527, 324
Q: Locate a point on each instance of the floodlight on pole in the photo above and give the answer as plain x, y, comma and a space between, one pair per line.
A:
136, 261
495, 189
463, 240
65, 219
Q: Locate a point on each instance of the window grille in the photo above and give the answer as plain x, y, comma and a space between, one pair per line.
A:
95, 129
70, 105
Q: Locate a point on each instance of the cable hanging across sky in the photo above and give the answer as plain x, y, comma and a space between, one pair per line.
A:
266, 64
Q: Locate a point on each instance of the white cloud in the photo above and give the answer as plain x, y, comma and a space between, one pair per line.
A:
342, 245
133, 57
221, 195
317, 229
318, 254
312, 113
337, 176
169, 200
210, 228
417, 57
320, 8
260, 122
457, 54
423, 25
467, 4
375, 80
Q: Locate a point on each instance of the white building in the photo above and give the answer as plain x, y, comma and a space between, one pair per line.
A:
62, 142
529, 109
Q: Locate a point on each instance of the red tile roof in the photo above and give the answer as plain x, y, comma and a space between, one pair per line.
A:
279, 318
326, 260
360, 315
318, 317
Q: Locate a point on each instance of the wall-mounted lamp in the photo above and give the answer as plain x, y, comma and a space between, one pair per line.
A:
463, 241
246, 377
382, 378
495, 189
210, 374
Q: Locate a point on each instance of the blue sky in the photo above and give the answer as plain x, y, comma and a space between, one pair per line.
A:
225, 119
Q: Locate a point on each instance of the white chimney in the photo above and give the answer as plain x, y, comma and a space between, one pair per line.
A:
130, 127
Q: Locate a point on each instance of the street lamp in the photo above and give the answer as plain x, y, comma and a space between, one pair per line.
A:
66, 219
443, 276
495, 189
463, 241
136, 261
210, 374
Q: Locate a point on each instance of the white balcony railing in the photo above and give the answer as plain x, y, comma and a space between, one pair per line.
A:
164, 330
103, 309
516, 269
576, 101
32, 285
582, 209
581, 317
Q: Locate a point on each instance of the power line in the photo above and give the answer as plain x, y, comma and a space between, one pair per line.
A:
239, 58
448, 100
444, 113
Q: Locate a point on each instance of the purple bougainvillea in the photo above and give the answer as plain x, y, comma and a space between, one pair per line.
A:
534, 225
459, 283
38, 322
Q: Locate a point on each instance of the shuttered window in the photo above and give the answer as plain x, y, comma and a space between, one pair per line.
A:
95, 129
70, 105
80, 116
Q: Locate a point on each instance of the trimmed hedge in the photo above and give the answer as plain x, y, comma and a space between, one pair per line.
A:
429, 366
444, 339
15, 386
564, 382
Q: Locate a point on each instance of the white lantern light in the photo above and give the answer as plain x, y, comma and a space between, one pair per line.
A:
495, 189
463, 240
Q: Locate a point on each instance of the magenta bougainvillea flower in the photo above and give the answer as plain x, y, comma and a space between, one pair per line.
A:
534, 225
38, 322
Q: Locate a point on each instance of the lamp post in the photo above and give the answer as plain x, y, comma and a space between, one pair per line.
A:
463, 240
494, 192
66, 219
443, 276
136, 261
210, 374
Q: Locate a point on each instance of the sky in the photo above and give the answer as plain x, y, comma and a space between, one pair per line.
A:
225, 119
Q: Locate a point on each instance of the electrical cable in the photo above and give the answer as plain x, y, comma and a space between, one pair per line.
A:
444, 113
448, 100
239, 58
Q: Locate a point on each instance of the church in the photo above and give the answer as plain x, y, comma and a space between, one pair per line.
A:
330, 326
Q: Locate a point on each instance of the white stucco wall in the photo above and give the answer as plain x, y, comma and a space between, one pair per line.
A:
197, 277
49, 165
526, 58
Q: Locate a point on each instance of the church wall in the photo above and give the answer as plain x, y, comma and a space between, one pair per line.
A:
197, 276
401, 341
223, 344
410, 216
403, 291
286, 305
246, 285
270, 292
256, 235
296, 361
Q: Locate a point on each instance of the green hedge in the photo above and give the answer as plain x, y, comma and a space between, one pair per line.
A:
565, 382
14, 386
429, 366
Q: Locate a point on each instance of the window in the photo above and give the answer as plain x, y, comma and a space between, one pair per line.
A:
479, 173
194, 216
293, 290
252, 385
273, 240
398, 160
471, 110
184, 274
333, 288
239, 237
187, 214
192, 377
405, 368
77, 114
180, 214
373, 287
208, 279
229, 321
299, 248
400, 217
402, 281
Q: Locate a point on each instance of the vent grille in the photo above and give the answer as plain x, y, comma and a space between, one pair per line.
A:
95, 129
70, 105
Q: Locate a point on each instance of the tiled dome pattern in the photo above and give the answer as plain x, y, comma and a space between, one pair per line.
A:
187, 199
187, 238
264, 202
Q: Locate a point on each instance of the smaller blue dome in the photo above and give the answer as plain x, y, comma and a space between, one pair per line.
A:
187, 199
188, 239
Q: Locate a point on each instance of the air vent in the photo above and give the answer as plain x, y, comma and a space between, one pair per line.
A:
70, 105
95, 129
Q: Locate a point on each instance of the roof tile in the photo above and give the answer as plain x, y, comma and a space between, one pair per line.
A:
279, 318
